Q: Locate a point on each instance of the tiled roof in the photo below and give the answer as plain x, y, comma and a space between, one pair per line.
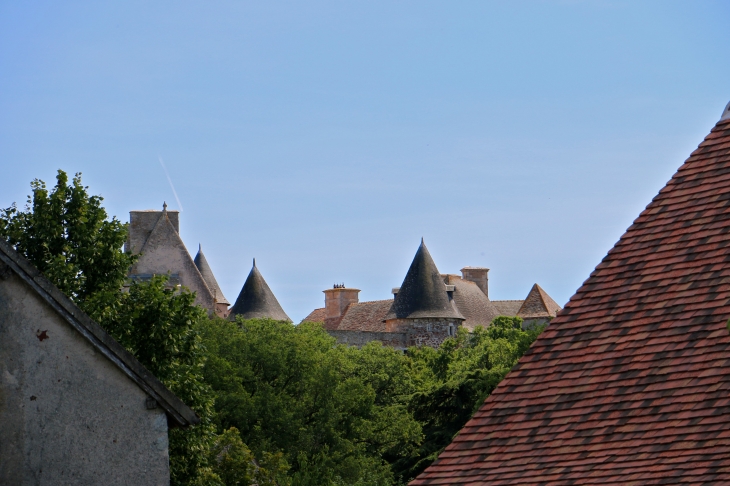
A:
365, 316
256, 300
423, 292
629, 384
508, 308
202, 263
538, 304
472, 303
317, 315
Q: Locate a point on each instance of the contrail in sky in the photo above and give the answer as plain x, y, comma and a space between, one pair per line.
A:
162, 163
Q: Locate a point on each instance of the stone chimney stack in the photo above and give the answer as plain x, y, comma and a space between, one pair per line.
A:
479, 276
141, 224
337, 299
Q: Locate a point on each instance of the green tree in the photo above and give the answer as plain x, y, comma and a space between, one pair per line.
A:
455, 379
67, 235
233, 464
159, 327
338, 414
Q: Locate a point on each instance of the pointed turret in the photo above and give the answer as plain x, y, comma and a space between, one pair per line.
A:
202, 263
256, 300
538, 304
423, 293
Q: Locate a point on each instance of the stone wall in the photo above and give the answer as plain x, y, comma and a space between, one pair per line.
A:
360, 338
424, 331
403, 333
68, 415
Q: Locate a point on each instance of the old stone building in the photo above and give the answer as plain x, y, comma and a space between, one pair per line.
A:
256, 300
75, 407
155, 236
427, 308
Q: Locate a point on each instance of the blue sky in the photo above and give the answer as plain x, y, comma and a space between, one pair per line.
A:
326, 138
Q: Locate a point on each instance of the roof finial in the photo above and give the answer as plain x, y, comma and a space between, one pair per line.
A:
164, 206
422, 240
200, 247
254, 262
726, 113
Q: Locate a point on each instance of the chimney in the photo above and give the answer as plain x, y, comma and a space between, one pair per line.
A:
141, 224
337, 299
478, 275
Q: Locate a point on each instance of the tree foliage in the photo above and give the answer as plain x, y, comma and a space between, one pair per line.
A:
67, 235
456, 379
336, 413
279, 404
158, 326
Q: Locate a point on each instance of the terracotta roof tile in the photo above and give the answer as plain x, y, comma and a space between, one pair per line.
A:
317, 315
629, 385
365, 316
538, 304
508, 308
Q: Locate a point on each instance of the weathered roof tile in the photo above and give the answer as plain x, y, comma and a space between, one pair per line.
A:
629, 384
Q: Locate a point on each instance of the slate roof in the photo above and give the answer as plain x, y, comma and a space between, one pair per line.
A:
472, 303
538, 304
629, 384
508, 308
164, 240
177, 412
423, 292
256, 300
202, 263
365, 316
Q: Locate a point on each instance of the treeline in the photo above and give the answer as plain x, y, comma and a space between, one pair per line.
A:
279, 404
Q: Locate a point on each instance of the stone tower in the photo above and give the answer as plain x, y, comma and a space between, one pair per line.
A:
423, 306
154, 236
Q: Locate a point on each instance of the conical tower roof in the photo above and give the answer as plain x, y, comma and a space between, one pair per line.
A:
423, 293
538, 304
207, 273
256, 300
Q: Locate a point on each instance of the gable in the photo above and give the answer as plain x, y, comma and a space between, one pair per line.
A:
13, 265
629, 384
164, 252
